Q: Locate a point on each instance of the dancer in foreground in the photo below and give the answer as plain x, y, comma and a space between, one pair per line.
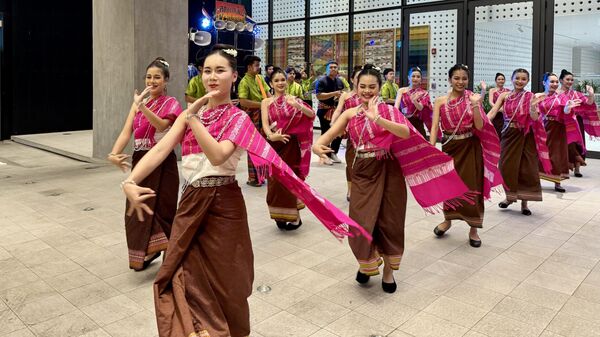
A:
206, 278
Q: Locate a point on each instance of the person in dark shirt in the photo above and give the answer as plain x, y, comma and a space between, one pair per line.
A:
328, 89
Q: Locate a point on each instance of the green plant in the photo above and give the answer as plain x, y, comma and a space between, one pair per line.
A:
486, 104
580, 85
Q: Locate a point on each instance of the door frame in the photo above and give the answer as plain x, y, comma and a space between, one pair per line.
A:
461, 46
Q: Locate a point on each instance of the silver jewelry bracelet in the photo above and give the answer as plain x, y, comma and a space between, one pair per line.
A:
376, 118
124, 182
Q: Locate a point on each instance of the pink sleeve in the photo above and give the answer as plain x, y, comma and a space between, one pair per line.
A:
171, 110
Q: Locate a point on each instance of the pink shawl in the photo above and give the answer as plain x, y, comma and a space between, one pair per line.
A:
408, 107
516, 109
553, 106
293, 121
588, 112
450, 115
428, 172
352, 101
235, 125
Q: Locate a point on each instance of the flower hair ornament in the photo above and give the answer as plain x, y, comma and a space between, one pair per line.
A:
164, 63
377, 68
231, 52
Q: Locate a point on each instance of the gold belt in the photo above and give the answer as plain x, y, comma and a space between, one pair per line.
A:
213, 181
370, 154
514, 125
551, 118
462, 136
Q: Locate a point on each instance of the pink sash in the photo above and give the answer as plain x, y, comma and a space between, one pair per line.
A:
293, 121
426, 114
517, 110
235, 125
588, 112
428, 172
490, 145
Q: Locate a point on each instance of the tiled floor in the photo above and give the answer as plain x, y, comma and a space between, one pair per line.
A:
63, 267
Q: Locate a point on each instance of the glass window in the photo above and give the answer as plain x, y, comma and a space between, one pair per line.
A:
378, 37
288, 9
503, 41
321, 7
414, 2
288, 44
431, 47
577, 46
329, 41
263, 52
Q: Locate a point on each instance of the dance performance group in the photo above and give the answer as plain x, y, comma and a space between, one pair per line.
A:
207, 272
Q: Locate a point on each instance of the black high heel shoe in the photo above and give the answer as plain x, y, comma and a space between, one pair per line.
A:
559, 189
147, 262
362, 278
389, 288
292, 227
525, 211
281, 224
474, 243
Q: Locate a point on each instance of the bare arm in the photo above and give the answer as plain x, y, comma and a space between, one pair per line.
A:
158, 123
190, 99
435, 124
475, 103
293, 101
326, 95
126, 132
397, 129
401, 91
340, 107
492, 113
160, 151
246, 103
116, 156
320, 146
491, 96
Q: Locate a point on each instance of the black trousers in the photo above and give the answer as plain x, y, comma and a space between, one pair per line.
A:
325, 125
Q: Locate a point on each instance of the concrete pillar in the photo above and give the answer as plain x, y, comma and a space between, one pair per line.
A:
127, 36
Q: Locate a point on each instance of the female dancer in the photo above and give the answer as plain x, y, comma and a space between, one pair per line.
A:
523, 143
347, 101
291, 135
556, 112
414, 102
587, 119
472, 143
206, 278
389, 151
498, 122
148, 120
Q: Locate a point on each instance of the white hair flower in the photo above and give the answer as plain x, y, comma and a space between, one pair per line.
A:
231, 52
164, 63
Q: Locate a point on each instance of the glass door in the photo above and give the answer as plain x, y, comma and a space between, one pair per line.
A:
433, 44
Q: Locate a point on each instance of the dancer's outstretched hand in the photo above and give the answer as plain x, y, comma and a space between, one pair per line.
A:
321, 150
120, 161
137, 195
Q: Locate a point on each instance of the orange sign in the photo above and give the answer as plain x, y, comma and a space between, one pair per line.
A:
227, 11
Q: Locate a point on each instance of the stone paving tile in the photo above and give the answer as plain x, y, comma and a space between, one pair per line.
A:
64, 271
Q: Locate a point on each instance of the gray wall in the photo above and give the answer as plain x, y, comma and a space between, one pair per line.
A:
127, 36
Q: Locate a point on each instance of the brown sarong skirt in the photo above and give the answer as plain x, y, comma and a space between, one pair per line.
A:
378, 204
559, 152
150, 236
519, 166
203, 285
468, 162
498, 123
283, 205
418, 124
350, 154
